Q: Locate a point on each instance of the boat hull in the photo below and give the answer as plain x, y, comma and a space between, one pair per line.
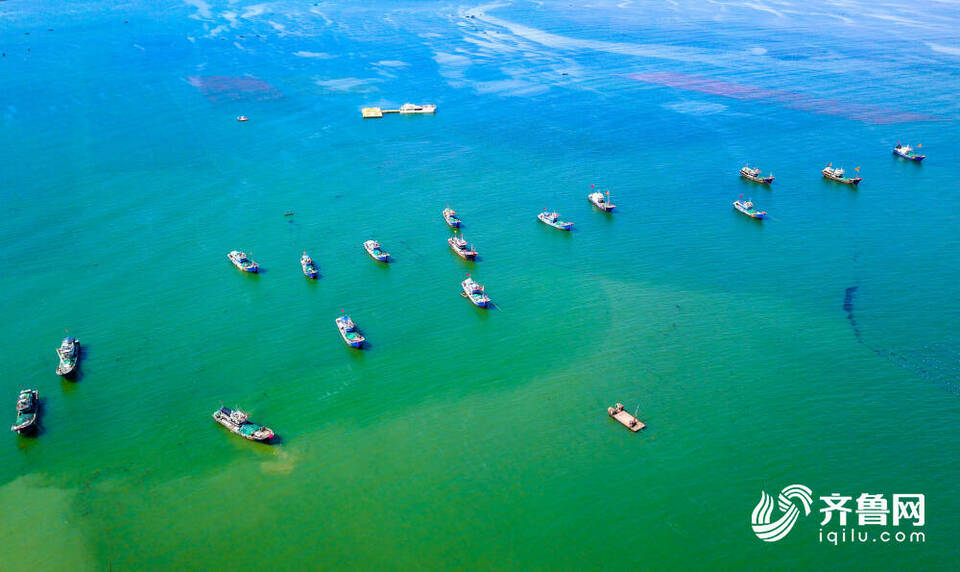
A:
355, 342
605, 207
914, 158
560, 225
309, 270
479, 300
760, 180
253, 267
843, 180
68, 366
756, 215
30, 424
235, 429
451, 222
479, 303
383, 256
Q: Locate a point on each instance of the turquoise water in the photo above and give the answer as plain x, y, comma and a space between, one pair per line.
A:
816, 347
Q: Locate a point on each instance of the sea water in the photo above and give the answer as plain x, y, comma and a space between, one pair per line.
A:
816, 347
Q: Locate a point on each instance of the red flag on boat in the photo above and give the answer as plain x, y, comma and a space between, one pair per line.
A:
591, 186
829, 164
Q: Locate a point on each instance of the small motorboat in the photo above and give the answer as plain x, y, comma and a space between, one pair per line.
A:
410, 108
474, 292
237, 422
553, 219
748, 208
601, 202
753, 174
309, 268
243, 118
907, 152
28, 404
376, 251
349, 332
463, 249
241, 261
837, 174
69, 354
450, 216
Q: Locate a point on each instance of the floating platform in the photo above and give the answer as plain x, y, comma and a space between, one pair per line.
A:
374, 112
627, 420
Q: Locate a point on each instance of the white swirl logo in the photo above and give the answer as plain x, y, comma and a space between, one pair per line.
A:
774, 531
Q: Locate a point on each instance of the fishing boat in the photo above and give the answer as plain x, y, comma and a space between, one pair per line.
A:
463, 249
309, 268
753, 174
747, 208
237, 422
410, 108
243, 118
475, 293
553, 219
601, 202
28, 404
837, 174
450, 216
241, 261
376, 251
907, 152
69, 354
629, 421
349, 332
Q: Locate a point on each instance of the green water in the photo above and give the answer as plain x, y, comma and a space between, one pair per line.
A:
460, 437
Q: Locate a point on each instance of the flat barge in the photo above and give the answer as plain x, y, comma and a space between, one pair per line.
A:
625, 419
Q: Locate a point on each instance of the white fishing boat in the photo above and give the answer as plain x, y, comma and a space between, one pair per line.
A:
748, 208
69, 354
349, 332
553, 219
463, 249
838, 174
753, 174
376, 251
241, 261
601, 201
474, 292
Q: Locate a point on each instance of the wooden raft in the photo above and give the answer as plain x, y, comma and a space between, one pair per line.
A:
627, 420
